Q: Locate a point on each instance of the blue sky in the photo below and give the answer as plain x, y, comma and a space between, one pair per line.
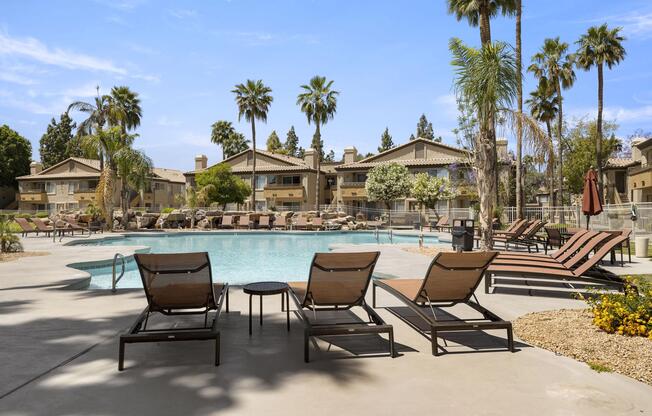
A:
389, 60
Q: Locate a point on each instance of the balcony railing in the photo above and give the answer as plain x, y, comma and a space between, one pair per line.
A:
638, 169
294, 192
34, 196
85, 195
353, 184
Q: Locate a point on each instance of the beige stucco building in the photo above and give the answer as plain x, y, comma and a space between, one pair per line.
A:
71, 184
285, 182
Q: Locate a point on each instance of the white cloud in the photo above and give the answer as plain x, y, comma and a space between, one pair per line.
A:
84, 91
14, 78
165, 121
124, 5
8, 99
617, 113
36, 50
635, 24
183, 13
196, 139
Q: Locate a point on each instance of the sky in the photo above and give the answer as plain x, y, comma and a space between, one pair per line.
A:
388, 59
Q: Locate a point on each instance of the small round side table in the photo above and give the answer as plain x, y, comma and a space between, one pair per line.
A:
266, 289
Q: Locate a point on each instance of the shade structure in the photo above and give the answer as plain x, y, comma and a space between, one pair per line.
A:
591, 204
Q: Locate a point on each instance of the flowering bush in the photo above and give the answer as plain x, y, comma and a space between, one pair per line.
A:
628, 313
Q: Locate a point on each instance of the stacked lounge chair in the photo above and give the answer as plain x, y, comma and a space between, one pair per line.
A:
25, 226
442, 222
177, 284
243, 222
451, 279
525, 235
263, 222
41, 227
227, 222
336, 283
280, 222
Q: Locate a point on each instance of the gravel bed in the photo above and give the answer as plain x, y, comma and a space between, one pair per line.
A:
430, 251
571, 333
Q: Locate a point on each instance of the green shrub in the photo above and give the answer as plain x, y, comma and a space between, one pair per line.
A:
9, 241
626, 313
42, 215
23, 215
167, 210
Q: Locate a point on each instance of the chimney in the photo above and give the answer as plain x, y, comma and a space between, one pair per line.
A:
636, 152
310, 157
201, 162
35, 168
501, 149
350, 154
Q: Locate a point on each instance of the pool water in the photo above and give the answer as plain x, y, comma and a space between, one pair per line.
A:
240, 258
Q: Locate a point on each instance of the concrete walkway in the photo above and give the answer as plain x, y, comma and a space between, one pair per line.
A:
66, 342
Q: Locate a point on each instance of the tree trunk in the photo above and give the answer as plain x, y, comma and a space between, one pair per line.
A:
486, 171
485, 26
519, 123
253, 169
551, 173
598, 139
318, 142
107, 195
560, 119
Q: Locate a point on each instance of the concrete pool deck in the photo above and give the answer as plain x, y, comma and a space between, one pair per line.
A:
61, 347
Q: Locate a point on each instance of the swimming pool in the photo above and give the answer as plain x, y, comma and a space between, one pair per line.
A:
240, 258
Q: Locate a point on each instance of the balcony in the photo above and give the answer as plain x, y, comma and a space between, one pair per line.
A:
85, 195
353, 190
284, 192
640, 177
36, 196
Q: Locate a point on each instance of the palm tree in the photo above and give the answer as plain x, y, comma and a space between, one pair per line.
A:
221, 132
543, 107
253, 99
319, 103
486, 85
98, 113
134, 169
480, 12
519, 102
125, 108
597, 47
553, 67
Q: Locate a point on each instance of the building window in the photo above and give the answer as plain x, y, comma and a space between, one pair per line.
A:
291, 206
271, 180
261, 205
71, 188
51, 188
261, 181
420, 151
292, 180
360, 177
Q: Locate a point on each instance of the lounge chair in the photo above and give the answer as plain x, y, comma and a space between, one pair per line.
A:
627, 232
526, 238
177, 284
301, 223
41, 227
338, 282
227, 221
443, 220
511, 228
243, 222
451, 279
25, 226
317, 224
569, 248
73, 225
587, 272
263, 222
280, 222
554, 238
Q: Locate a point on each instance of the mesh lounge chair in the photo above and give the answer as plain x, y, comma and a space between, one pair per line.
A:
41, 227
263, 222
575, 243
443, 220
527, 237
301, 223
586, 272
73, 225
317, 224
227, 221
512, 227
243, 222
338, 281
451, 279
280, 222
25, 226
177, 284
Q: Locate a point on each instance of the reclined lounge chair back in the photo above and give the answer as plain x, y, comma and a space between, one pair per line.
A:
227, 221
263, 221
339, 279
280, 222
452, 278
25, 226
177, 281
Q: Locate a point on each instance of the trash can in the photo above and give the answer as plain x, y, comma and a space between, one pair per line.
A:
462, 232
641, 246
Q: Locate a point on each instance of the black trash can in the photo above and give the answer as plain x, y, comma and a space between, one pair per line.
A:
462, 232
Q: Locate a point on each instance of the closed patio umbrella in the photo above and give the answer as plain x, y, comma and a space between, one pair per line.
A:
591, 204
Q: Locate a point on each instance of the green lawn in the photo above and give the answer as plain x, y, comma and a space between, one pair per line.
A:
647, 277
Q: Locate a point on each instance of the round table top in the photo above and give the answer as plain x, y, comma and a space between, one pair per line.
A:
265, 288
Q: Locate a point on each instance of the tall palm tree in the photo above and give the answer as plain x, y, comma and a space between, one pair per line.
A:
134, 168
519, 103
597, 47
486, 85
253, 99
98, 113
553, 67
125, 108
543, 108
480, 12
319, 103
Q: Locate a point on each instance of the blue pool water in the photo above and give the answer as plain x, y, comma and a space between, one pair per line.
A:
242, 258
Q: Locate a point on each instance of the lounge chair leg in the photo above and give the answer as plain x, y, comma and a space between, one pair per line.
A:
510, 339
227, 300
487, 283
392, 351
121, 356
306, 347
373, 295
217, 349
435, 346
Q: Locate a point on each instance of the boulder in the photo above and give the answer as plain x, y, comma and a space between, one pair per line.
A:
145, 221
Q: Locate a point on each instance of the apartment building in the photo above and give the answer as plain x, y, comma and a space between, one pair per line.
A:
285, 182
71, 184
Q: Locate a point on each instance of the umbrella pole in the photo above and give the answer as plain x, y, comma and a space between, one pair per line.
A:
587, 221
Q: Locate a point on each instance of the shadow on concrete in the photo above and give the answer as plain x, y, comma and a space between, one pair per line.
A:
466, 341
